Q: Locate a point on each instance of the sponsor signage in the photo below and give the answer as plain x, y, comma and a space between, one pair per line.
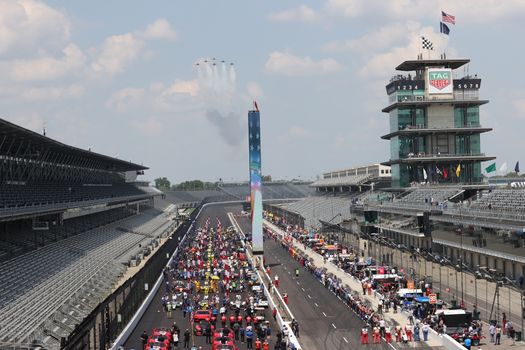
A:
405, 85
467, 84
254, 144
432, 298
439, 81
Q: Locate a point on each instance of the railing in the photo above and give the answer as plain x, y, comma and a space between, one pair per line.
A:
423, 126
441, 155
422, 98
494, 213
9, 211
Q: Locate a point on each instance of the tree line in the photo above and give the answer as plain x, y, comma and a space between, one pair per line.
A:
163, 184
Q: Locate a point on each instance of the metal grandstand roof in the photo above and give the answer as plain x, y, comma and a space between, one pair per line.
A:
420, 64
9, 132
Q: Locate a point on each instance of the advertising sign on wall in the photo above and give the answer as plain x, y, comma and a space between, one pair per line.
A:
439, 81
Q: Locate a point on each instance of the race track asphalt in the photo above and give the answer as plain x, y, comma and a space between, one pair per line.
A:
326, 323
156, 317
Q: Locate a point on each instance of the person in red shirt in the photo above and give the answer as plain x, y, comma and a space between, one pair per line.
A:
258, 344
364, 336
377, 335
399, 334
388, 335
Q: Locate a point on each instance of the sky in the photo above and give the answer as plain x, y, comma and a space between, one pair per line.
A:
120, 77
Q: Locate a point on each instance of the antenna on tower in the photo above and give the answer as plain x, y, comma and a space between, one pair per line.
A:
44, 129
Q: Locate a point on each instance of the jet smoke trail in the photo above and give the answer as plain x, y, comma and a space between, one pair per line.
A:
217, 86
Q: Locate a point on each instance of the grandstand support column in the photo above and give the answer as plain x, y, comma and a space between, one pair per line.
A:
439, 281
522, 311
138, 209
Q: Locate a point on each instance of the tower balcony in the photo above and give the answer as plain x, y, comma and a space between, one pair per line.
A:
422, 130
422, 158
459, 100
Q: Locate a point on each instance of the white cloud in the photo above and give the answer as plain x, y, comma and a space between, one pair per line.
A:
149, 127
381, 64
177, 97
346, 8
465, 11
123, 99
160, 29
45, 67
32, 121
117, 52
156, 86
298, 132
519, 104
254, 90
385, 36
190, 87
301, 13
26, 24
291, 65
52, 93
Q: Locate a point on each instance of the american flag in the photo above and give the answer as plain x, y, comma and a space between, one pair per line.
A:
448, 18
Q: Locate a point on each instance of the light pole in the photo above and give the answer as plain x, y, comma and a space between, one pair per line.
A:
461, 254
521, 311
457, 289
440, 281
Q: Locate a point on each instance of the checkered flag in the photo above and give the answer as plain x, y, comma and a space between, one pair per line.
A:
427, 44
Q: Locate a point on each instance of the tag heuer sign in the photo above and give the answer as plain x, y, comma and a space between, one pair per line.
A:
439, 81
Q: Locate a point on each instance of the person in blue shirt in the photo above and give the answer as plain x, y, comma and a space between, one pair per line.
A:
249, 339
467, 342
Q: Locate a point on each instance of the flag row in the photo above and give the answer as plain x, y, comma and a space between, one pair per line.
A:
503, 168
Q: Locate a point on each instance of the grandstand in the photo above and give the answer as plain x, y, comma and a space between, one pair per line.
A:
191, 196
430, 195
500, 199
275, 190
71, 222
63, 273
314, 209
354, 179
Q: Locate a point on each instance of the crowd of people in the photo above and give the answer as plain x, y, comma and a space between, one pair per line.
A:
422, 315
213, 285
